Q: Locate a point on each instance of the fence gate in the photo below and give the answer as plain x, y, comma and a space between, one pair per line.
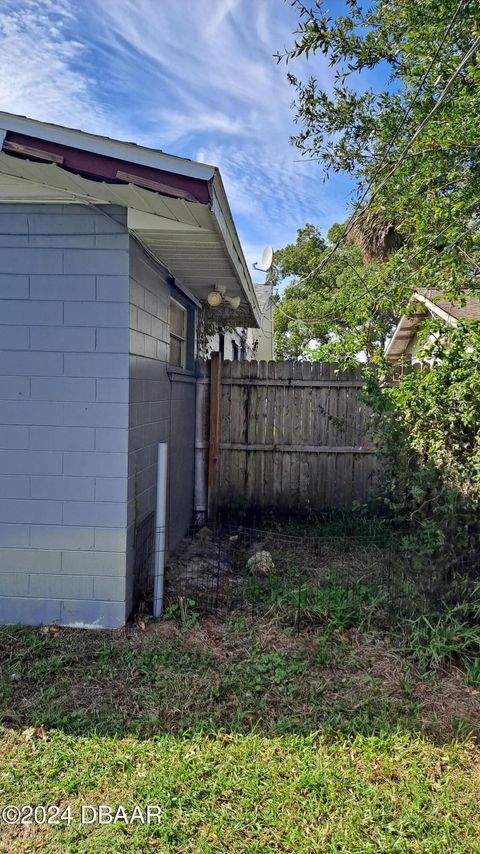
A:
291, 436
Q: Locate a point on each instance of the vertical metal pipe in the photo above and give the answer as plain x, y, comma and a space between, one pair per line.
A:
214, 436
160, 529
201, 445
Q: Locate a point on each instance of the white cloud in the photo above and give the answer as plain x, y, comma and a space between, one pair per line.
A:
213, 60
196, 77
36, 64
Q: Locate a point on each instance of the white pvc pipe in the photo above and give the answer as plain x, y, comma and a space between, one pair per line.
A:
160, 529
201, 447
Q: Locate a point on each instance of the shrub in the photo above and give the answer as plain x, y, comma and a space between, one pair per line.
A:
428, 429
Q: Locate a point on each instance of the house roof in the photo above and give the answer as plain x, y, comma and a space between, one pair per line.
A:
177, 208
437, 304
264, 294
430, 302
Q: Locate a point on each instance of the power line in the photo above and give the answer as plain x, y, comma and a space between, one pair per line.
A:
354, 219
409, 258
360, 296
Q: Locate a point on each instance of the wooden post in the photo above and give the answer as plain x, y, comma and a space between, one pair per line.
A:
214, 437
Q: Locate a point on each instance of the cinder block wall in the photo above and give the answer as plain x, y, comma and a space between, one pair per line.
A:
162, 404
64, 340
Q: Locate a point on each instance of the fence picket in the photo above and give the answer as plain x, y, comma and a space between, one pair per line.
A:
293, 436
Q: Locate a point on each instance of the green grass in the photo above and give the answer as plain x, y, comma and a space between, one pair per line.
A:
250, 736
248, 793
166, 680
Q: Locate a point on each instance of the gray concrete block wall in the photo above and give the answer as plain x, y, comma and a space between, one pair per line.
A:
149, 388
182, 461
162, 406
64, 302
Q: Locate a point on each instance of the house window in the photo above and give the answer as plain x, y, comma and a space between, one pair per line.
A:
178, 334
221, 344
234, 351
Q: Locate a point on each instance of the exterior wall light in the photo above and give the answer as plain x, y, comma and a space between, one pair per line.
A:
219, 295
233, 302
214, 299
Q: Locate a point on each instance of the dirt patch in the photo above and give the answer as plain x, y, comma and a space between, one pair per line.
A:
229, 675
447, 700
370, 669
198, 569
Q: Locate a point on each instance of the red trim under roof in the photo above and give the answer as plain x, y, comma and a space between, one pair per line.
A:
101, 167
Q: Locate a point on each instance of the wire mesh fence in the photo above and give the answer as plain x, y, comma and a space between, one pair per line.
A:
144, 548
304, 579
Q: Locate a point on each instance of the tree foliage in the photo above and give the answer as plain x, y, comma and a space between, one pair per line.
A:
337, 314
413, 146
350, 128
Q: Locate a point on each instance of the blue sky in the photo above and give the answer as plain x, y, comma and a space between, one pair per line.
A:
192, 77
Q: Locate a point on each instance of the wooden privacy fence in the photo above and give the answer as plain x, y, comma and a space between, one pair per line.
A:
290, 436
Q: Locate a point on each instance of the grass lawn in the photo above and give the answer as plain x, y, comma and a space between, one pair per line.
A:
248, 735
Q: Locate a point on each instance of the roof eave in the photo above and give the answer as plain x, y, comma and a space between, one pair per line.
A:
226, 226
436, 309
100, 147
97, 144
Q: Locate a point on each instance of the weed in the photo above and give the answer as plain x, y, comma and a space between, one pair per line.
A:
406, 685
473, 673
172, 611
338, 607
463, 729
185, 610
448, 637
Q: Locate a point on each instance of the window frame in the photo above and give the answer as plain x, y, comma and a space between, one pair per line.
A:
183, 340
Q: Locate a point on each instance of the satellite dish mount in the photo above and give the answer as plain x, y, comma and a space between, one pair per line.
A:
266, 262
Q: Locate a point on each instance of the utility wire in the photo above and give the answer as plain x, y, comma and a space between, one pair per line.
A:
408, 259
328, 315
355, 217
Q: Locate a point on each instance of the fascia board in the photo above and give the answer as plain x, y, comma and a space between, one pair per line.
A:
435, 309
224, 221
127, 151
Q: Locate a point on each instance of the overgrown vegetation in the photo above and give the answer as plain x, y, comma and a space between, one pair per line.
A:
411, 143
247, 733
253, 732
428, 430
211, 322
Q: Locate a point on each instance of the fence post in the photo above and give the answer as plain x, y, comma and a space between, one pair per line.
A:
214, 437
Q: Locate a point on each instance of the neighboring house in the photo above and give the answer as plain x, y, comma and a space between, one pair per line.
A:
247, 344
107, 251
260, 341
404, 344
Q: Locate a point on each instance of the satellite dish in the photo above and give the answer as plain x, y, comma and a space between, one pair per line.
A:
267, 260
